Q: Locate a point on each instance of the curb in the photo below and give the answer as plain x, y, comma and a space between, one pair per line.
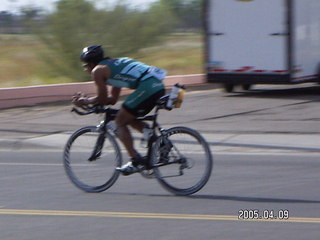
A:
16, 97
217, 148
219, 143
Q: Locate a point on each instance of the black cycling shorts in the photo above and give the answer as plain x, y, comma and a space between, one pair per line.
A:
145, 106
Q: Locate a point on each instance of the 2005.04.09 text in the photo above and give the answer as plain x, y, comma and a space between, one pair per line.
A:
248, 214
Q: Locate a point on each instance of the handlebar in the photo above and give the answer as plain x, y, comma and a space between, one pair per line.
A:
86, 110
94, 109
77, 111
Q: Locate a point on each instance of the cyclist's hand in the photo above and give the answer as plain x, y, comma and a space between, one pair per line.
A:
80, 102
79, 99
78, 95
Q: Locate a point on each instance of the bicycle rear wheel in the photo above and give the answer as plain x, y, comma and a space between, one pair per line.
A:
90, 167
182, 161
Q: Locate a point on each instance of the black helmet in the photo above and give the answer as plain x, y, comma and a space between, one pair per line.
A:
92, 54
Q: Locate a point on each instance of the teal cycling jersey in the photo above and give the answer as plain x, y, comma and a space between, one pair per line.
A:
126, 72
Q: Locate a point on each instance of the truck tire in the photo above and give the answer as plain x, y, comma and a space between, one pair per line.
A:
228, 87
246, 87
318, 73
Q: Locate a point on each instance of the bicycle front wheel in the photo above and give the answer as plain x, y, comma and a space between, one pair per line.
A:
89, 162
182, 161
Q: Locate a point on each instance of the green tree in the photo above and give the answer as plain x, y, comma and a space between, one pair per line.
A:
188, 13
122, 31
65, 33
6, 22
29, 17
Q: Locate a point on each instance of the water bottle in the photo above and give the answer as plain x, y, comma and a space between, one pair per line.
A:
174, 95
112, 127
180, 98
146, 134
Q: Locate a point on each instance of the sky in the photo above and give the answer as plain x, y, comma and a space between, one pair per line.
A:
48, 5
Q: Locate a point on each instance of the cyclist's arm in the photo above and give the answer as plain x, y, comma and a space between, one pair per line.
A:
99, 75
115, 93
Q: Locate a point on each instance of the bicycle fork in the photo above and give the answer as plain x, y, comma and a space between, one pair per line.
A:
96, 153
97, 150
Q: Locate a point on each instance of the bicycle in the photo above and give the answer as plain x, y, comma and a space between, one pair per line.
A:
179, 157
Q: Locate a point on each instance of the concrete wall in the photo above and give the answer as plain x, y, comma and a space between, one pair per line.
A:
14, 97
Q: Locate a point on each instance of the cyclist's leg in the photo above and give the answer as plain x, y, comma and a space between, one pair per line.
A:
136, 164
123, 119
138, 125
139, 103
127, 116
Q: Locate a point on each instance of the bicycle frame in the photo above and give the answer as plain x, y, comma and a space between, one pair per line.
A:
110, 115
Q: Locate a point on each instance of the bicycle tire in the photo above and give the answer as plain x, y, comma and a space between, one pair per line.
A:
91, 176
196, 161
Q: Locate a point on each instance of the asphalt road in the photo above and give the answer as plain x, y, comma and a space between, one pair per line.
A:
266, 162
39, 202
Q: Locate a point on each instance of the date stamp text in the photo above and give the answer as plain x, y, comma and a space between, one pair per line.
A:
267, 214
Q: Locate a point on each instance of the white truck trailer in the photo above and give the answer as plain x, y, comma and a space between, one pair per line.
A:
262, 42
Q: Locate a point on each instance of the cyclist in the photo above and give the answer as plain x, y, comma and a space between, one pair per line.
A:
123, 72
